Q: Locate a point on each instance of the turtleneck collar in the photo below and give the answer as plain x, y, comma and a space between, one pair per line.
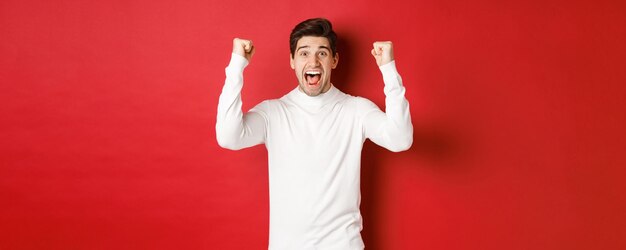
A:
318, 101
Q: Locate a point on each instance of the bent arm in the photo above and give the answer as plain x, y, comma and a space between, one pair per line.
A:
393, 129
235, 130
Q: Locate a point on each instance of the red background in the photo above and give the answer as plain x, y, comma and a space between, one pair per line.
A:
108, 115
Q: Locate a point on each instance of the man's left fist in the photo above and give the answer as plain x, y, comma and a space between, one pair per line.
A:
383, 52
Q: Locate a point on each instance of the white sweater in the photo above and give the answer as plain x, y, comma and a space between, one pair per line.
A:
314, 146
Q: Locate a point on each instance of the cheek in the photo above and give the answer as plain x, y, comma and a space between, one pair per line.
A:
297, 65
329, 64
298, 69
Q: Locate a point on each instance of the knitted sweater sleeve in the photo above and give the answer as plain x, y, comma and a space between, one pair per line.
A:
235, 130
391, 129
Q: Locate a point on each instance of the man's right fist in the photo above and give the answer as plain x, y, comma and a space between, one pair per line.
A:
243, 48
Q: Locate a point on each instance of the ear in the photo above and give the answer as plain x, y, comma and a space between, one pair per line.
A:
291, 61
335, 60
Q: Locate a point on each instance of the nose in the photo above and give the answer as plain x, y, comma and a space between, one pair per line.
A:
314, 60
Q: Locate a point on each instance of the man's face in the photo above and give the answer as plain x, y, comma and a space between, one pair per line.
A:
313, 61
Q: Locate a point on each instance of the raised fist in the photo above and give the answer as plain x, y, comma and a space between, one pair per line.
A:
383, 52
243, 48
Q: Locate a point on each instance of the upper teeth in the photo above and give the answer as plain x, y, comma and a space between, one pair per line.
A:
313, 72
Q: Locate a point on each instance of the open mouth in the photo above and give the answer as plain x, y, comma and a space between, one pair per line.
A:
312, 77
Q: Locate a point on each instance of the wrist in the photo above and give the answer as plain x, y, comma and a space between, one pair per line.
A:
237, 61
389, 67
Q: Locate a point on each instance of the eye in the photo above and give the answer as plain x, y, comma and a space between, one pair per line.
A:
323, 53
304, 53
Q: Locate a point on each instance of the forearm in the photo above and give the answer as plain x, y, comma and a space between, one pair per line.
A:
392, 129
234, 130
396, 104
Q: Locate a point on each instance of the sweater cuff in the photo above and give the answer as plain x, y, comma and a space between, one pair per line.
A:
391, 77
389, 69
237, 62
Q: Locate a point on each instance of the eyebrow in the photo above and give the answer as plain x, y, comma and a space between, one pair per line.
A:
307, 46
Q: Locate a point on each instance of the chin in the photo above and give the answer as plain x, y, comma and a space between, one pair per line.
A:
311, 93
308, 91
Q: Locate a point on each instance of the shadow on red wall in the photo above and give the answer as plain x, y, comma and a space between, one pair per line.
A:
434, 143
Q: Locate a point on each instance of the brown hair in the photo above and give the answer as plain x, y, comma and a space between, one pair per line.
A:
320, 27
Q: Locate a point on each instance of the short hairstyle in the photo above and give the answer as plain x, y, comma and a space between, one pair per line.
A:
319, 27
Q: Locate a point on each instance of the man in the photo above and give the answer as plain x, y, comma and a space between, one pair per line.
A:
314, 136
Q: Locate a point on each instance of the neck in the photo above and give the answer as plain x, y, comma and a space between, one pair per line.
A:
320, 99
